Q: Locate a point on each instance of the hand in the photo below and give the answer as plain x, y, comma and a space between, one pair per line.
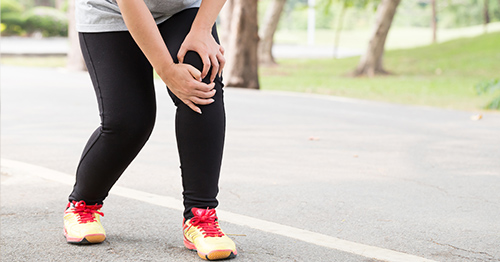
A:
211, 53
184, 81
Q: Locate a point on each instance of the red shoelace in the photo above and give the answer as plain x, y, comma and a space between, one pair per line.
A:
86, 213
207, 221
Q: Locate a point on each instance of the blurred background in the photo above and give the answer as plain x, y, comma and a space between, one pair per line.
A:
441, 53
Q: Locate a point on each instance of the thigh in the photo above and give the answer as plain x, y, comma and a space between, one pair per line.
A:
121, 75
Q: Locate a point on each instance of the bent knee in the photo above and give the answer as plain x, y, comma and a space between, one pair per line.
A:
194, 59
130, 129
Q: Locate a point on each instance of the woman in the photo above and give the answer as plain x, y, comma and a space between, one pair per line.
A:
122, 42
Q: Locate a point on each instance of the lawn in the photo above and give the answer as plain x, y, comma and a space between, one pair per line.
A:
442, 75
35, 61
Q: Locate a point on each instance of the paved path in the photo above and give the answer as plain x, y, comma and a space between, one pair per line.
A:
34, 46
355, 180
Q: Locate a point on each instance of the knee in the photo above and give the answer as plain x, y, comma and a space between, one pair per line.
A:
192, 58
130, 127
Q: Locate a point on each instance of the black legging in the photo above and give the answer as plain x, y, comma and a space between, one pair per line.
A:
123, 82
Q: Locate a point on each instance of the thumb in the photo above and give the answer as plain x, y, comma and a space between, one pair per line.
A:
182, 52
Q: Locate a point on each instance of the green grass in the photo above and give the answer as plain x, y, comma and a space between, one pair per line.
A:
35, 61
441, 75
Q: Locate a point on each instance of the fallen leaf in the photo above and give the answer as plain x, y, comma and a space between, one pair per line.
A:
476, 117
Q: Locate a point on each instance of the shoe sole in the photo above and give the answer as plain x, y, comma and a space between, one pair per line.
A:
88, 239
212, 255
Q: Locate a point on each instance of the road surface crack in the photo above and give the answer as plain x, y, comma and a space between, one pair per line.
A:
484, 255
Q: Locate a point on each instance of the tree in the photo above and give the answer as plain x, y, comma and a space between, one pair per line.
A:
75, 58
240, 41
338, 29
267, 30
486, 13
434, 22
344, 4
371, 62
59, 4
44, 3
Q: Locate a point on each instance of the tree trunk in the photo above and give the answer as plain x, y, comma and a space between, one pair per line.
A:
339, 29
434, 22
59, 4
43, 3
486, 12
226, 16
311, 21
241, 42
75, 58
266, 32
371, 62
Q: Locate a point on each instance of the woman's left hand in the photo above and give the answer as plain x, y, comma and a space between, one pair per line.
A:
211, 53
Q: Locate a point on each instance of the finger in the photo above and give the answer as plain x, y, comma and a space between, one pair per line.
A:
182, 52
222, 50
200, 86
195, 73
200, 101
192, 106
206, 66
215, 68
222, 63
202, 94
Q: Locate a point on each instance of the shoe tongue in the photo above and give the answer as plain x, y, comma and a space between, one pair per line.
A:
199, 212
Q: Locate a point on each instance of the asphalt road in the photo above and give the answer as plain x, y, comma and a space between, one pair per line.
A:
417, 180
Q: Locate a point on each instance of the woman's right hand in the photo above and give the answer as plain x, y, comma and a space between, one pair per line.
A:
184, 81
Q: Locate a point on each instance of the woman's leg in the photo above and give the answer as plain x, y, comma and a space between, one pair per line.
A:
123, 83
200, 137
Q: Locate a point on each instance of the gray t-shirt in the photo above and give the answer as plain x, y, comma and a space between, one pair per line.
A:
105, 16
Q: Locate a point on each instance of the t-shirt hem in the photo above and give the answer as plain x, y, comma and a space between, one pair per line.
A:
97, 28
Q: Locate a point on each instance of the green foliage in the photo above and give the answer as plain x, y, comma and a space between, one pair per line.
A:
450, 13
488, 87
295, 14
410, 13
413, 14
462, 14
49, 21
14, 24
10, 6
11, 17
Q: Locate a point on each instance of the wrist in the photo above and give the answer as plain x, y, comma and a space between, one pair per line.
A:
201, 28
165, 69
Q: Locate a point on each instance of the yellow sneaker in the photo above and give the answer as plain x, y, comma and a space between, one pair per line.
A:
203, 234
82, 224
